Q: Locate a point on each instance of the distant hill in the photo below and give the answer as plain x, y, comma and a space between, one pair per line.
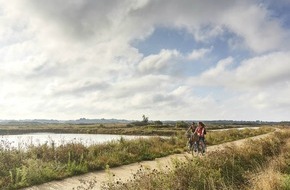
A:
92, 121
52, 121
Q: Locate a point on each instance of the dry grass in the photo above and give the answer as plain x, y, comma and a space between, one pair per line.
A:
259, 164
267, 179
272, 175
44, 163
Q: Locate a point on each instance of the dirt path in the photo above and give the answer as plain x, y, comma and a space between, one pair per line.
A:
126, 172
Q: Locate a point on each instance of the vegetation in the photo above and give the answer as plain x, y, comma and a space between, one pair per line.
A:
39, 164
259, 164
182, 124
143, 127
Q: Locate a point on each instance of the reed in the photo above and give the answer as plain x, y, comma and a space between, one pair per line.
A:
38, 164
258, 164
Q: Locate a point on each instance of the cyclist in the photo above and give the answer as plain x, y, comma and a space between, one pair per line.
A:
201, 131
190, 135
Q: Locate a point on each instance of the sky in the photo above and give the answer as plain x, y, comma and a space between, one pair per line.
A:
166, 59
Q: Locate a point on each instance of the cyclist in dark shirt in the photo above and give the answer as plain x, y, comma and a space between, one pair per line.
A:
190, 135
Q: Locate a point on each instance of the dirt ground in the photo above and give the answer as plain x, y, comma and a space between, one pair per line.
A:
123, 173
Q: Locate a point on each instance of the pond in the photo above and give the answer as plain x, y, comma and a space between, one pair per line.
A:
24, 140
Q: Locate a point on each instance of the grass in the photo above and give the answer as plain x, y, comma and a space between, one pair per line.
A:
259, 164
108, 128
39, 164
112, 128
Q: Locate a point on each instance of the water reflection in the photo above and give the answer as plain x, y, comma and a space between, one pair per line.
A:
25, 140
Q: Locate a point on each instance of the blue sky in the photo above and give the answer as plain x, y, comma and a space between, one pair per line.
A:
169, 60
166, 38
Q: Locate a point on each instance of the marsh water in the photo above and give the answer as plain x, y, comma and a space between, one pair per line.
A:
25, 140
22, 141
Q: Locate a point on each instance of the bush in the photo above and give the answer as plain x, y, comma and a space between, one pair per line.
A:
182, 124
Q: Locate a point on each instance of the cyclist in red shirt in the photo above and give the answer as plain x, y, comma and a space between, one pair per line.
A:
201, 131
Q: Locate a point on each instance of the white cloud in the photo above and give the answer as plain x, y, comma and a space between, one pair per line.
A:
254, 24
267, 70
259, 84
219, 69
75, 59
197, 54
254, 73
164, 62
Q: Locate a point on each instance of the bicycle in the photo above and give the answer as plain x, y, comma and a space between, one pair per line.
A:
192, 143
201, 146
191, 147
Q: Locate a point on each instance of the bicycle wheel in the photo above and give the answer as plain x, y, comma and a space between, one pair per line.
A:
190, 147
193, 148
200, 147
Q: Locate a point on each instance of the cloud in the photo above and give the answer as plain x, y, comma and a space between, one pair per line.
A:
255, 73
260, 83
197, 54
75, 58
253, 23
206, 20
71, 25
219, 69
97, 21
268, 70
164, 62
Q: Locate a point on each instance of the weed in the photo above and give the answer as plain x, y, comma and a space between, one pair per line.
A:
38, 164
255, 165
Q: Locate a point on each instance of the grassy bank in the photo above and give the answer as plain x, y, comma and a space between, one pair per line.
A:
44, 163
260, 164
111, 128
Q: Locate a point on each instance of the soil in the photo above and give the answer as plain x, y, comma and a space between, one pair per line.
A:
126, 172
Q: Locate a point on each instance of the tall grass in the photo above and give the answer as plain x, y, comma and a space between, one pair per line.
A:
43, 163
259, 164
